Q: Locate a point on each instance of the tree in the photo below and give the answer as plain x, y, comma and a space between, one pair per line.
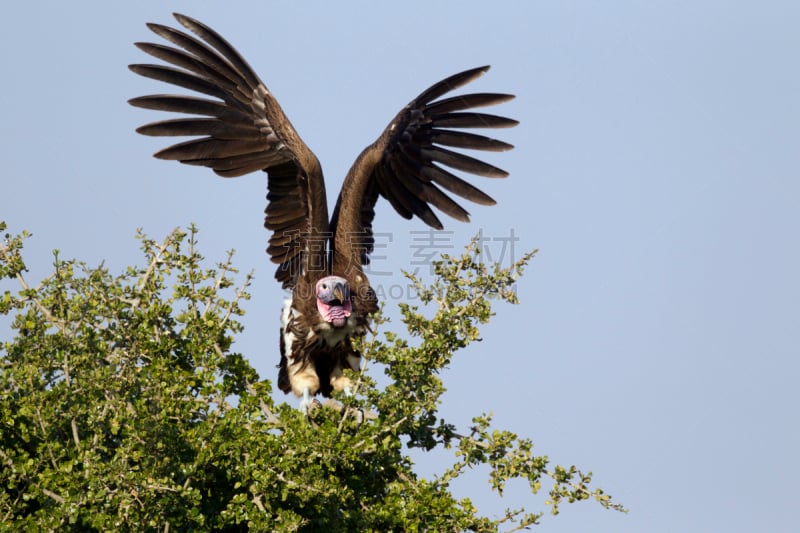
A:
123, 407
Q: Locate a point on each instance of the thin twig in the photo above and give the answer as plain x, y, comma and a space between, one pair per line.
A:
54, 496
268, 415
157, 258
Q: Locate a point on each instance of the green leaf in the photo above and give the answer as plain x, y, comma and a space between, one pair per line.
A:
122, 406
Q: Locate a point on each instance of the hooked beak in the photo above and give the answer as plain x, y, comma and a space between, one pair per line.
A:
338, 292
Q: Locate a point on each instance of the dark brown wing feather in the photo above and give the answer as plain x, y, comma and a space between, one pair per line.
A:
239, 130
405, 165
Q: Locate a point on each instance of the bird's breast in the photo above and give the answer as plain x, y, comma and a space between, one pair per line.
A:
333, 336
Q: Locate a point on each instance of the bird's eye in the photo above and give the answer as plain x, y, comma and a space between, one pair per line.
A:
324, 286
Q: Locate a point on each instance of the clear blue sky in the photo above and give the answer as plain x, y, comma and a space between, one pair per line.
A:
656, 168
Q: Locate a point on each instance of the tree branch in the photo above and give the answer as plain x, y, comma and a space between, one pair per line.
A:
54, 496
157, 259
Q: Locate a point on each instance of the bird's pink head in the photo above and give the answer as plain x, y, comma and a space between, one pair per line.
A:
333, 300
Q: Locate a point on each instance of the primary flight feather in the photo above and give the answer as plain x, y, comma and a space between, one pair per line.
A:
242, 129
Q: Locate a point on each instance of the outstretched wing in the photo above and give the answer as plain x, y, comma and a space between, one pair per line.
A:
240, 130
406, 165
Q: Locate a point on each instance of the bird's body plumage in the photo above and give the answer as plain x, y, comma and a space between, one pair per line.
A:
243, 129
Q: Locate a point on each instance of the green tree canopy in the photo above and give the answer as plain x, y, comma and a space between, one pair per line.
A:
123, 407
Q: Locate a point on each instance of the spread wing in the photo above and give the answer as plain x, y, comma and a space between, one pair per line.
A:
239, 130
406, 165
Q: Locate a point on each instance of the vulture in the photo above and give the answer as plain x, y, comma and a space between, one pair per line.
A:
237, 127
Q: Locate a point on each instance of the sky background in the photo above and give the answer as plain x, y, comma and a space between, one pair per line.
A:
656, 169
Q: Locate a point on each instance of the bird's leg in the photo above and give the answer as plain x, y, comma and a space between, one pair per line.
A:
305, 403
